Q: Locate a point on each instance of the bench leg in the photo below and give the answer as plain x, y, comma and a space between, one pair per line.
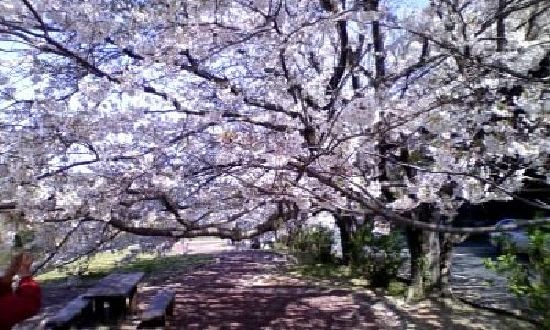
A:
118, 307
109, 309
98, 308
132, 302
86, 313
153, 323
170, 309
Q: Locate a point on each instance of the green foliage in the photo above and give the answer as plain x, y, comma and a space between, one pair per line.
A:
418, 158
313, 248
327, 271
280, 246
23, 238
379, 265
377, 256
330, 274
27, 236
149, 263
396, 288
531, 280
315, 243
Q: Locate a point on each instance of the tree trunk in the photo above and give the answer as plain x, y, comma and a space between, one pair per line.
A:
415, 290
425, 264
344, 224
430, 259
446, 263
501, 27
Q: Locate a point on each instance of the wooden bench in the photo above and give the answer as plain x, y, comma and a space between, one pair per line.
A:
161, 305
69, 314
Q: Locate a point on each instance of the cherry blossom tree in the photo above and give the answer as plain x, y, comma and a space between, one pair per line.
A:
231, 118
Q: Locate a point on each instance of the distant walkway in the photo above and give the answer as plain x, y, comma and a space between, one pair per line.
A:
244, 291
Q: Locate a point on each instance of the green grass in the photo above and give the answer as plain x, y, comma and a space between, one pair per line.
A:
150, 263
397, 288
337, 273
104, 263
100, 263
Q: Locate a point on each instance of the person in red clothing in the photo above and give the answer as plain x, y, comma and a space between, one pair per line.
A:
20, 295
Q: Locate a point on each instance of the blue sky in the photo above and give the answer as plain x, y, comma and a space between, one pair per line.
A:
405, 7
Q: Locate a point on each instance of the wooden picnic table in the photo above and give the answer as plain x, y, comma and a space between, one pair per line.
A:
114, 294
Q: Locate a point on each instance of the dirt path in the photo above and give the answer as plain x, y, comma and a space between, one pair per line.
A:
246, 291
252, 290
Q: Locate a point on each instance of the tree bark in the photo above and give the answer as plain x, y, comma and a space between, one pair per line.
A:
378, 43
415, 289
344, 224
430, 258
446, 264
426, 264
501, 27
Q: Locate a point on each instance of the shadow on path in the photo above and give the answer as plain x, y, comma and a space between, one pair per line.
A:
244, 291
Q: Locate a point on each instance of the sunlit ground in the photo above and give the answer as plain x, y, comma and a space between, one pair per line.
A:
107, 262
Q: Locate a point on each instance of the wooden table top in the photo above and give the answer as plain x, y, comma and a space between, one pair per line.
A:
115, 285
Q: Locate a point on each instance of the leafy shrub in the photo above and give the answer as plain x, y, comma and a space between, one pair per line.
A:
377, 256
23, 237
530, 280
314, 242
